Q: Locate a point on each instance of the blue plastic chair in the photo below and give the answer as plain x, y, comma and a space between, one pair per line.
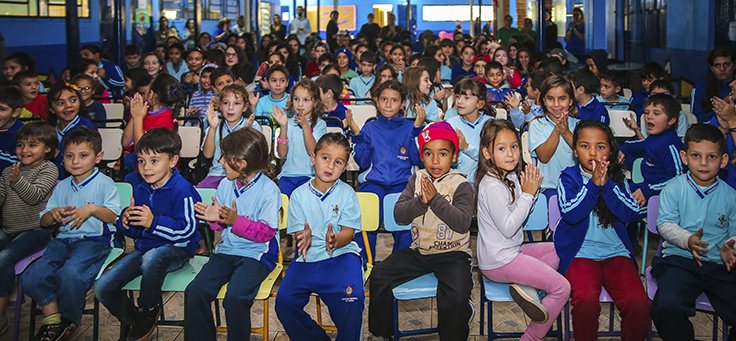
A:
537, 220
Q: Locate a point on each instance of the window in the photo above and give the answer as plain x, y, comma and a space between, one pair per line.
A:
210, 9
455, 12
41, 8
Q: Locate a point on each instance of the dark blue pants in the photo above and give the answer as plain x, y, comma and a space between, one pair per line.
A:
289, 184
14, 248
402, 239
680, 281
245, 276
338, 282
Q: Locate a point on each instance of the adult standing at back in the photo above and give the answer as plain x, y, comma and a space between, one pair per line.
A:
370, 29
278, 29
164, 31
505, 32
391, 29
221, 31
239, 27
332, 31
575, 36
300, 26
716, 84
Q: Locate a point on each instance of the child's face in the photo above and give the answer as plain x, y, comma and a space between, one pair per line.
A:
85, 89
302, 102
222, 82
495, 77
161, 52
7, 114
704, 159
155, 168
194, 61
647, 81
557, 101
723, 68
608, 90
329, 163
387, 51
232, 107
29, 88
438, 157
240, 42
385, 75
278, 82
231, 57
468, 56
523, 59
531, 92
507, 151
151, 64
592, 147
132, 60
294, 46
467, 103
656, 119
275, 60
284, 52
80, 160
333, 72
342, 60
425, 85
360, 51
31, 152
439, 56
592, 66
407, 50
92, 71
367, 68
480, 68
502, 57
513, 52
230, 172
204, 40
66, 107
318, 51
205, 81
414, 62
447, 51
389, 103
128, 84
10, 68
397, 55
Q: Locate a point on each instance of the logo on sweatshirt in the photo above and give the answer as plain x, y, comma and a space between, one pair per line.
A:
722, 220
403, 153
349, 298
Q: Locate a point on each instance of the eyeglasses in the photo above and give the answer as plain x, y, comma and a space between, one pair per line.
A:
231, 54
85, 89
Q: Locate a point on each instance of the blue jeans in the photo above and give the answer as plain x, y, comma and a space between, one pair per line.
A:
245, 276
65, 273
153, 264
14, 248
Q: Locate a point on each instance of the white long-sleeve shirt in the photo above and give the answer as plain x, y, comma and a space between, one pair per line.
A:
302, 23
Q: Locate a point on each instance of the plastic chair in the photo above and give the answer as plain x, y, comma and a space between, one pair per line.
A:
617, 123
501, 114
636, 176
526, 154
537, 219
111, 143
361, 113
627, 93
115, 111
20, 296
702, 303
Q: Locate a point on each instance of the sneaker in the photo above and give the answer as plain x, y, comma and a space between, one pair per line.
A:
528, 299
56, 332
144, 324
4, 326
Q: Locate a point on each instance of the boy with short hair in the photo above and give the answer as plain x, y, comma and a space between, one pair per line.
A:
523, 112
361, 85
86, 206
110, 75
324, 216
585, 83
610, 88
697, 220
34, 104
278, 80
220, 78
132, 56
650, 72
498, 87
10, 109
440, 245
663, 87
161, 220
95, 109
330, 87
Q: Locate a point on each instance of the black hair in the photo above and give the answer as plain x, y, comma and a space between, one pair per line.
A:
330, 83
159, 140
21, 75
24, 59
432, 65
536, 79
139, 76
338, 139
586, 78
53, 95
276, 68
131, 50
712, 89
80, 66
281, 56
367, 57
653, 70
431, 50
91, 48
168, 91
219, 72
615, 77
551, 65
328, 68
177, 46
493, 65
81, 135
446, 42
10, 96
705, 132
39, 131
670, 105
215, 56
662, 84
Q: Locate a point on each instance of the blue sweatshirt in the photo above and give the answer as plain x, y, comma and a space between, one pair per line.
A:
7, 144
593, 110
637, 102
174, 220
500, 93
388, 149
699, 94
661, 163
577, 199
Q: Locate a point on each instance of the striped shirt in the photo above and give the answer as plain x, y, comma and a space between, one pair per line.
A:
22, 200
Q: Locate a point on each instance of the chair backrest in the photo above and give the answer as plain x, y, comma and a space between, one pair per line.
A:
553, 208
537, 220
115, 111
617, 123
111, 144
501, 114
389, 223
361, 113
125, 192
284, 211
685, 107
191, 140
526, 154
334, 130
369, 211
628, 93
207, 194
636, 176
268, 133
652, 213
691, 118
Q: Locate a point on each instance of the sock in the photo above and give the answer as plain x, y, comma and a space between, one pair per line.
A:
52, 319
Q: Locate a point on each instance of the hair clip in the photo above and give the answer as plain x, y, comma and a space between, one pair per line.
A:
175, 90
73, 86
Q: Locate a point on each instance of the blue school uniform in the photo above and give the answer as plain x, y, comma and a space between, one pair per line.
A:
298, 168
467, 160
217, 169
361, 85
540, 130
266, 103
661, 163
500, 93
519, 117
445, 74
698, 95
593, 110
388, 149
430, 109
201, 100
637, 102
458, 72
183, 69
113, 80
97, 112
58, 160
7, 144
619, 99
682, 124
339, 112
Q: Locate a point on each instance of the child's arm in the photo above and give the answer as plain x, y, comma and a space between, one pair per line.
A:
631, 124
409, 206
280, 116
634, 148
458, 214
4, 181
208, 149
576, 202
411, 143
123, 223
509, 221
309, 141
180, 227
258, 231
342, 238
81, 214
670, 158
362, 148
620, 201
34, 192
298, 226
350, 122
546, 149
466, 148
138, 111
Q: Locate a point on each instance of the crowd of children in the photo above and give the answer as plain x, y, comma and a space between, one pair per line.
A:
452, 163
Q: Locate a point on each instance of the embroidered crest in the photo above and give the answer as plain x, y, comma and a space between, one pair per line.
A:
722, 219
349, 290
403, 150
336, 209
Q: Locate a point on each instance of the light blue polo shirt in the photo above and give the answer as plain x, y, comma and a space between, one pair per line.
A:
298, 161
265, 105
467, 160
540, 130
258, 200
684, 203
620, 99
339, 206
361, 85
430, 109
216, 169
96, 189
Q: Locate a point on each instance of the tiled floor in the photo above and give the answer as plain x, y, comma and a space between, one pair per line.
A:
413, 314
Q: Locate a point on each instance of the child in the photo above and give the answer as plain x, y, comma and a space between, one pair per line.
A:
464, 69
220, 78
201, 98
585, 84
10, 109
95, 109
523, 112
190, 80
299, 134
66, 114
330, 87
498, 87
235, 108
384, 73
361, 85
85, 206
650, 72
344, 59
661, 149
132, 56
610, 89
176, 65
324, 215
440, 245
470, 100
19, 61
318, 50
418, 87
277, 77
662, 87
246, 210
110, 75
506, 196
161, 220
137, 80
324, 60
479, 67
590, 239
597, 61
550, 139
154, 64
397, 60
28, 84
25, 188
387, 148
511, 75
691, 235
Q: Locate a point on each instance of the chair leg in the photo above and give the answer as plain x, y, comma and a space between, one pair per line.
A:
611, 317
482, 308
18, 305
644, 251
397, 332
96, 319
265, 319
568, 321
715, 327
319, 310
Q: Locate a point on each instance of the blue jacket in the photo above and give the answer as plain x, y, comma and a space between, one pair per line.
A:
458, 72
576, 200
594, 110
697, 100
7, 145
388, 149
500, 94
174, 219
637, 102
661, 163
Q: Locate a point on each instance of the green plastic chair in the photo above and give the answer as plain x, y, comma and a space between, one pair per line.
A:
125, 192
636, 176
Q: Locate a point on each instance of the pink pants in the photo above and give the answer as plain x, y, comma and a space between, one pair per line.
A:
536, 266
